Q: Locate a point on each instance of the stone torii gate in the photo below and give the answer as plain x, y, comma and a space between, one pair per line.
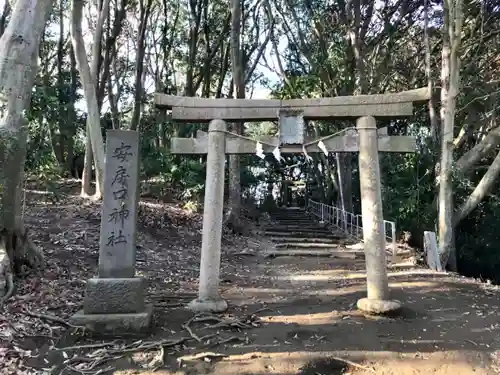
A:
292, 139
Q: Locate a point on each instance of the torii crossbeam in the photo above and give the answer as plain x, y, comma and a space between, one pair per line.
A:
205, 109
336, 143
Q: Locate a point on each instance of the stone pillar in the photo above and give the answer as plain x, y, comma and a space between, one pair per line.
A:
377, 301
114, 301
209, 299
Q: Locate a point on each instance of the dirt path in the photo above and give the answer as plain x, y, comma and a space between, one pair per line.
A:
304, 307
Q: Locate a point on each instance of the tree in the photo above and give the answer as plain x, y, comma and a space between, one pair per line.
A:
145, 10
18, 67
242, 70
450, 75
89, 80
239, 93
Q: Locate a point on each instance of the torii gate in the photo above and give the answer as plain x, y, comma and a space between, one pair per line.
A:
291, 139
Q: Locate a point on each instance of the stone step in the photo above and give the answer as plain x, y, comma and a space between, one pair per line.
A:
291, 217
286, 211
297, 224
294, 210
312, 240
302, 219
318, 236
287, 215
306, 221
308, 245
318, 231
290, 213
315, 250
315, 253
295, 227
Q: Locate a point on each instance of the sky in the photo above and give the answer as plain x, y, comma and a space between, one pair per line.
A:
259, 91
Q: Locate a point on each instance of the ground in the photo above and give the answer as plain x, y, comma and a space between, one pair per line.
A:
287, 316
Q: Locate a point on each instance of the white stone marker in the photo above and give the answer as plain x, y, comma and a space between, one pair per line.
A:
119, 208
115, 300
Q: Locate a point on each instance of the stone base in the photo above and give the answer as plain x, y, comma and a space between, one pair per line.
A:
379, 307
115, 323
114, 296
207, 305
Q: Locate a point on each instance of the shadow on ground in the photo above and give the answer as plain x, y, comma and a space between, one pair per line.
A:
287, 316
308, 325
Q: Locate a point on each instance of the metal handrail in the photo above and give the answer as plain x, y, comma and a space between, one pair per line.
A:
350, 223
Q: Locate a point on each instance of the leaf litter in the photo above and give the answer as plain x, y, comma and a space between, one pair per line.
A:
36, 338
34, 321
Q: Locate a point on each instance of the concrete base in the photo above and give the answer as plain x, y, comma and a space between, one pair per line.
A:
198, 305
115, 323
379, 307
114, 296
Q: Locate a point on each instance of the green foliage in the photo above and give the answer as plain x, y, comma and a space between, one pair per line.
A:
154, 162
191, 206
476, 238
39, 150
189, 175
318, 59
407, 193
182, 174
48, 175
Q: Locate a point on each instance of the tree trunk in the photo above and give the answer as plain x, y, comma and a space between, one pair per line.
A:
487, 145
139, 63
72, 117
18, 67
87, 165
239, 89
345, 160
452, 29
341, 189
89, 81
482, 189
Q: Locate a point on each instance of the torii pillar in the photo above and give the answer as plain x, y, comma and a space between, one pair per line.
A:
377, 284
208, 289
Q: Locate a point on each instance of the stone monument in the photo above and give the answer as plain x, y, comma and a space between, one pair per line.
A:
114, 301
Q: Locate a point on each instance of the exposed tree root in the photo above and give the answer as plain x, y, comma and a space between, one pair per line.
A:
17, 254
6, 277
50, 318
10, 289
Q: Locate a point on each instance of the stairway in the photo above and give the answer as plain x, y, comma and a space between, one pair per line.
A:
294, 232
